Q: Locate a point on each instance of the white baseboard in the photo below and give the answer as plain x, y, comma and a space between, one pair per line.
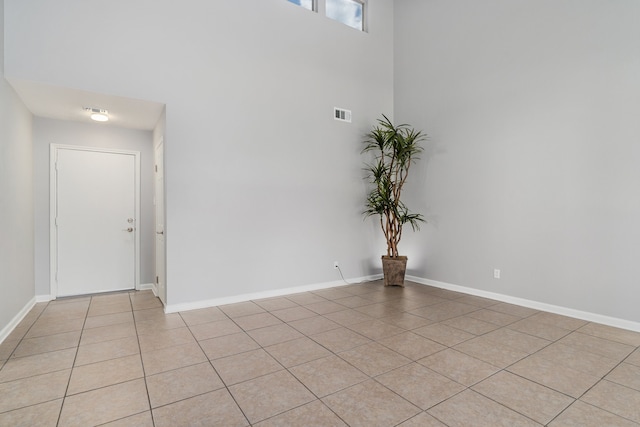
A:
4, 333
578, 314
147, 286
44, 298
173, 308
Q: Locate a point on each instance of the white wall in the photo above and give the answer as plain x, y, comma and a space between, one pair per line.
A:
50, 131
532, 107
263, 187
16, 202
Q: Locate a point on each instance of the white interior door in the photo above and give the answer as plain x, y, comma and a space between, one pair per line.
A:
94, 220
160, 235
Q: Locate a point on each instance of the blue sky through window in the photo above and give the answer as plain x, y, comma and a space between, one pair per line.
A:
307, 4
348, 12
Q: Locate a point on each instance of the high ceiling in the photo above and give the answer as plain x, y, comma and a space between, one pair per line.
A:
67, 104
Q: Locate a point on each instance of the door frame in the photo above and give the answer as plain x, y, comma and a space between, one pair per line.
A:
160, 271
53, 210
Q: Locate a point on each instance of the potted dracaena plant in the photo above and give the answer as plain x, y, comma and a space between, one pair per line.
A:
395, 148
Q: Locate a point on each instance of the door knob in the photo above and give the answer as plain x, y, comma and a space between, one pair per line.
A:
160, 232
130, 229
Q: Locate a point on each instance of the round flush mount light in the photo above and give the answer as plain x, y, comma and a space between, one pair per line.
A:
98, 114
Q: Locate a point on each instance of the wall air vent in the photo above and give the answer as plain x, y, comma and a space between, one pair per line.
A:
342, 114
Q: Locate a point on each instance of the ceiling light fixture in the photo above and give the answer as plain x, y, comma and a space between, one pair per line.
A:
98, 114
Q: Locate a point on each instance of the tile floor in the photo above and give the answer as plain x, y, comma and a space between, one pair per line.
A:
359, 355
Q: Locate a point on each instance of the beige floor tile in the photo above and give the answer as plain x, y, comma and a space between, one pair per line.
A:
19, 332
380, 309
183, 383
99, 352
538, 329
204, 331
581, 414
348, 317
43, 327
105, 404
517, 340
325, 307
471, 325
228, 345
419, 385
305, 298
340, 339
108, 333
203, 315
70, 310
314, 414
422, 420
274, 334
110, 298
374, 359
270, 395
634, 358
271, 304
477, 301
445, 310
241, 309
560, 378
145, 303
332, 293
149, 314
108, 319
384, 295
491, 352
514, 310
245, 366
370, 404
7, 347
213, 409
406, 321
615, 398
583, 361
375, 329
165, 338
443, 334
328, 375
102, 374
459, 367
293, 313
170, 358
612, 334
31, 346
412, 345
495, 317
255, 321
523, 396
142, 419
314, 325
410, 303
41, 415
29, 366
601, 346
353, 301
472, 409
558, 320
33, 390
102, 308
169, 321
298, 351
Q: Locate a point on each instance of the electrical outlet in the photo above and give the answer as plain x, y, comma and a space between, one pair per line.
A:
335, 265
496, 273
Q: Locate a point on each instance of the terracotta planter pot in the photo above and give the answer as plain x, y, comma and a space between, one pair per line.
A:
394, 270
